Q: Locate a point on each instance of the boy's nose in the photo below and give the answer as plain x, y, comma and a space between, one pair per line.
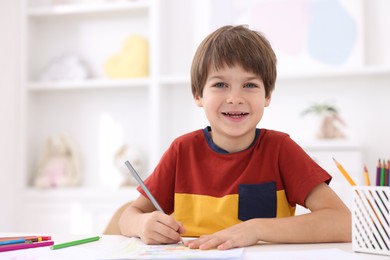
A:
235, 97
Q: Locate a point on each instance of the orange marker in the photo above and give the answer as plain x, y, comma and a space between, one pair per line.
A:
344, 172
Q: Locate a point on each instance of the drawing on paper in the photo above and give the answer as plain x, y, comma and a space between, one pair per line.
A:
134, 248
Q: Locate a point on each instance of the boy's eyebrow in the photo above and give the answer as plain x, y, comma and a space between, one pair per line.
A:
254, 77
215, 77
246, 78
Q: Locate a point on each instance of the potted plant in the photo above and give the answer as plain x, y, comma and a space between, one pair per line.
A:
330, 120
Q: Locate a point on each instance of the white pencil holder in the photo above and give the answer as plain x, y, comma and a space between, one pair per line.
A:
371, 220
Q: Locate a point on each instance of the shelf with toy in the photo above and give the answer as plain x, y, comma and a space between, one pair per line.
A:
73, 60
87, 8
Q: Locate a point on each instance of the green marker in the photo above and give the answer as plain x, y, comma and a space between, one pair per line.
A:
75, 243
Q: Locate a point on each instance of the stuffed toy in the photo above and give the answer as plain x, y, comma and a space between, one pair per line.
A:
131, 62
58, 166
67, 67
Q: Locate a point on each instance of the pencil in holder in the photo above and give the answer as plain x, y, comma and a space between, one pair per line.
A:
371, 220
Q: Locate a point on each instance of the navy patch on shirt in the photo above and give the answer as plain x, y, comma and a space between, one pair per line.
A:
257, 201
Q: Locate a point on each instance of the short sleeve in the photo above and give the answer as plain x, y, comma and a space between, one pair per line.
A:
299, 172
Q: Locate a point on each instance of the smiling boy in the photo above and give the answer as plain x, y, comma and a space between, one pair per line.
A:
232, 184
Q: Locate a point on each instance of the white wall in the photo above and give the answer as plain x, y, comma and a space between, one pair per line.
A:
364, 102
377, 32
9, 107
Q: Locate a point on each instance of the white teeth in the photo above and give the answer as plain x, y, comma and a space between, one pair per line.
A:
235, 114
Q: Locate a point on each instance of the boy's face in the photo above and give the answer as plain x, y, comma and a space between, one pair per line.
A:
234, 101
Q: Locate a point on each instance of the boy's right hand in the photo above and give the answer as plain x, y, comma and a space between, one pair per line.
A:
159, 228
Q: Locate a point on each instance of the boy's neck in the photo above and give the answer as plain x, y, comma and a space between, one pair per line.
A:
232, 145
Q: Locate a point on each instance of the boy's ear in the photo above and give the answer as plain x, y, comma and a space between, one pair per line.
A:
198, 100
268, 100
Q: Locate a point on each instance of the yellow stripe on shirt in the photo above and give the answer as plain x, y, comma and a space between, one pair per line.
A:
202, 214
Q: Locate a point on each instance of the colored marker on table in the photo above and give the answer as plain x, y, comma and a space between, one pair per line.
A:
13, 241
37, 239
27, 238
25, 246
75, 243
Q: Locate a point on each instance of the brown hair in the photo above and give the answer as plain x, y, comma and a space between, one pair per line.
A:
234, 45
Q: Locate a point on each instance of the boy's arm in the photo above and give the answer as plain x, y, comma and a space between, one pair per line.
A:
142, 220
328, 221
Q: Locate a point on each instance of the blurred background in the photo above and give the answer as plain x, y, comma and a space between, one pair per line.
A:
88, 84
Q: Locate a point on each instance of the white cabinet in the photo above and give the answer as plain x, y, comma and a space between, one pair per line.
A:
349, 155
98, 113
75, 211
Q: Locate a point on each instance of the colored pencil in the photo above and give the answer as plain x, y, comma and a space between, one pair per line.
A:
366, 176
13, 241
38, 239
378, 173
388, 172
75, 243
145, 189
31, 238
383, 174
143, 186
344, 172
25, 246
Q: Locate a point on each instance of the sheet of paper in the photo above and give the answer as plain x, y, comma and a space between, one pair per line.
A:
134, 248
310, 254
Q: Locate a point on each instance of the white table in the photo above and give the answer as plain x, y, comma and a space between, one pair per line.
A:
333, 251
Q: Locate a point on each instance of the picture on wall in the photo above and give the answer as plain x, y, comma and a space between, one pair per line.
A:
307, 35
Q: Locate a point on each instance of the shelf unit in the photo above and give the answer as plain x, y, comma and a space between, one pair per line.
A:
52, 30
100, 114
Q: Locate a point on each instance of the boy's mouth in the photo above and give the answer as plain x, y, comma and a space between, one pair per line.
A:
235, 114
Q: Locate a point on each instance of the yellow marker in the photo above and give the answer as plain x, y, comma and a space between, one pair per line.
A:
344, 172
366, 176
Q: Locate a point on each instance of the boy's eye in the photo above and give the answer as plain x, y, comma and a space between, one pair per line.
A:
250, 85
220, 85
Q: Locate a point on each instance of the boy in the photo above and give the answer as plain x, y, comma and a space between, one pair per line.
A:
232, 184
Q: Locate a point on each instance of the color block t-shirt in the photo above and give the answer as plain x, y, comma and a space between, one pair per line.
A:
208, 190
